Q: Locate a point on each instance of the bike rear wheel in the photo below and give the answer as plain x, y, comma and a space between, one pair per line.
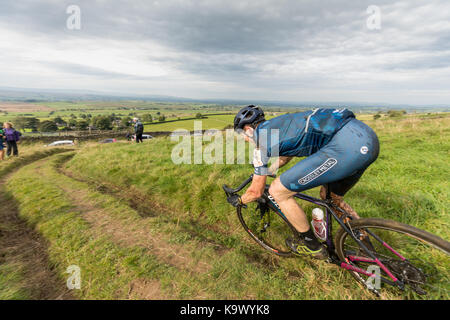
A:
267, 227
426, 270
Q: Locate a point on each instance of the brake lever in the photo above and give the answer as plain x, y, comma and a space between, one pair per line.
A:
228, 190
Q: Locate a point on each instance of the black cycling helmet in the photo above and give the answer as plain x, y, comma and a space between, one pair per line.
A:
248, 115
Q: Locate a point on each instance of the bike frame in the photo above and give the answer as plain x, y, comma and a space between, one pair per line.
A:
330, 209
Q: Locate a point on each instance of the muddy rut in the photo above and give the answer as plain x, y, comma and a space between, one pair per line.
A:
23, 247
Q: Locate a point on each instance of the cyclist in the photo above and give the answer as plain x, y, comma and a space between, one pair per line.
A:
338, 149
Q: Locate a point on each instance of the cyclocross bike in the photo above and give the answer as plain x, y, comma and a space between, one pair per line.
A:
399, 256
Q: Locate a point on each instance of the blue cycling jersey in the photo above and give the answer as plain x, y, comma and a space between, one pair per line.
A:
296, 135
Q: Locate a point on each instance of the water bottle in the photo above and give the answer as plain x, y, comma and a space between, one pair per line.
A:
319, 226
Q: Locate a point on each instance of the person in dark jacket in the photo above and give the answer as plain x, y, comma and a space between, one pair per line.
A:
138, 130
2, 145
12, 136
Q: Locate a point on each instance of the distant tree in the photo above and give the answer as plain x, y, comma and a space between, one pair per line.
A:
59, 121
162, 118
26, 123
72, 123
33, 124
82, 125
48, 126
147, 117
102, 122
396, 113
83, 116
198, 116
377, 116
114, 117
125, 122
73, 116
20, 122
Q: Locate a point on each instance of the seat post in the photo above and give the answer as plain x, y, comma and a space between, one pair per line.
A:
327, 186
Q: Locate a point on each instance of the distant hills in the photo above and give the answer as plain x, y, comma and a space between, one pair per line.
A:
43, 95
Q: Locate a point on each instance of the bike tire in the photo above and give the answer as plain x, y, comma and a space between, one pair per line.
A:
281, 221
388, 226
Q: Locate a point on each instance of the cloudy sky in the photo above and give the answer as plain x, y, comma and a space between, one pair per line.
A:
299, 50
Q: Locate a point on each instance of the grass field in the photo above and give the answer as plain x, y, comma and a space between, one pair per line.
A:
141, 227
218, 122
49, 110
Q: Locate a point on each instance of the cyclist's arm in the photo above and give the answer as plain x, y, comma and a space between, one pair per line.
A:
255, 190
281, 161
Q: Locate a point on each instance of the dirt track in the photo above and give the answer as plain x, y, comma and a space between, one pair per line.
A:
22, 246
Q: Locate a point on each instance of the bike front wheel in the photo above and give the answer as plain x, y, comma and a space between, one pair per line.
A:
419, 259
267, 227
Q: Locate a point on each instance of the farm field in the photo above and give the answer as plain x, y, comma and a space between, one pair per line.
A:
48, 110
176, 115
141, 227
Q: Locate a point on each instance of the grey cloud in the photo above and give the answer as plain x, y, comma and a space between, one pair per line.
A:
433, 62
199, 26
74, 68
211, 27
235, 41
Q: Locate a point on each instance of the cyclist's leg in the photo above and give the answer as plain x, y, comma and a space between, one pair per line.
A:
304, 242
285, 199
339, 188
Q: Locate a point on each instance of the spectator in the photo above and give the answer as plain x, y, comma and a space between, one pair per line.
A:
138, 129
12, 137
2, 145
129, 136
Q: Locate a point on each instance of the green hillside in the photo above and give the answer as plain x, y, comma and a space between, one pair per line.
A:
141, 227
